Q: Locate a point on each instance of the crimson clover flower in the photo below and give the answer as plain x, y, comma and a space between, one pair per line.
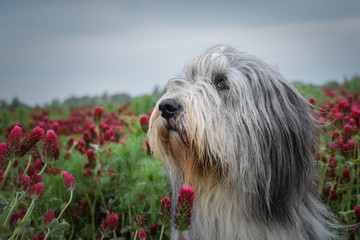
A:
38, 164
69, 180
108, 224
357, 213
97, 114
35, 178
86, 136
142, 234
69, 143
137, 222
312, 100
17, 215
147, 142
91, 157
165, 205
3, 150
184, 207
50, 145
346, 174
335, 134
144, 122
22, 182
13, 141
31, 140
49, 216
347, 130
38, 236
36, 191
351, 143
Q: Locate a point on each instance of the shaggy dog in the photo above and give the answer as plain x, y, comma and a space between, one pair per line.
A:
239, 133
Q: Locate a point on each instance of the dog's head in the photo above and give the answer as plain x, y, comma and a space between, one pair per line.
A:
232, 117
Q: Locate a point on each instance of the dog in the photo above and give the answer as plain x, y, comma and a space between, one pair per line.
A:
241, 135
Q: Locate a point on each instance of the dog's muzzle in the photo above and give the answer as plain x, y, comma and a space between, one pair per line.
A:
169, 108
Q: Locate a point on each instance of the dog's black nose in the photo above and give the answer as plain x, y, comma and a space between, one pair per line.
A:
169, 108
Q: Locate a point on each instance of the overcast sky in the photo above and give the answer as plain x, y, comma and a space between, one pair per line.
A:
57, 49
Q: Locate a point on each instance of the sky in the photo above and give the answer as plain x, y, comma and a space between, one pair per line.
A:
57, 49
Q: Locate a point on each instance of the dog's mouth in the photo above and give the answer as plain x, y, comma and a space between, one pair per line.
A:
176, 126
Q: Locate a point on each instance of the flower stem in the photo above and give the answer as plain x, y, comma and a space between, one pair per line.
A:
99, 133
28, 213
180, 235
136, 233
12, 208
73, 146
92, 215
71, 196
162, 231
6, 173
28, 164
47, 234
43, 169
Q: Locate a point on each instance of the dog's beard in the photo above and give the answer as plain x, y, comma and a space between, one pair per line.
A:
177, 140
182, 154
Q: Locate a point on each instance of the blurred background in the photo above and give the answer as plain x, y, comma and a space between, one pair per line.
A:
57, 51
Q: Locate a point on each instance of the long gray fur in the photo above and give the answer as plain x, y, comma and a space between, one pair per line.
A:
259, 134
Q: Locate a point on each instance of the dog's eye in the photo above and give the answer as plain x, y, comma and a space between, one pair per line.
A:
222, 84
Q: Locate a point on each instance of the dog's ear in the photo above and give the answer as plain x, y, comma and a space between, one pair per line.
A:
284, 138
291, 151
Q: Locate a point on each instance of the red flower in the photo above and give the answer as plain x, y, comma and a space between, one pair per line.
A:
70, 142
352, 122
165, 206
31, 140
67, 155
111, 171
69, 180
335, 134
184, 207
153, 229
91, 157
333, 195
312, 100
50, 145
36, 191
108, 224
38, 164
97, 114
147, 142
17, 215
13, 141
347, 130
86, 136
3, 149
346, 174
357, 213
351, 144
137, 222
352, 231
142, 234
38, 236
144, 122
35, 178
55, 127
22, 181
49, 216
